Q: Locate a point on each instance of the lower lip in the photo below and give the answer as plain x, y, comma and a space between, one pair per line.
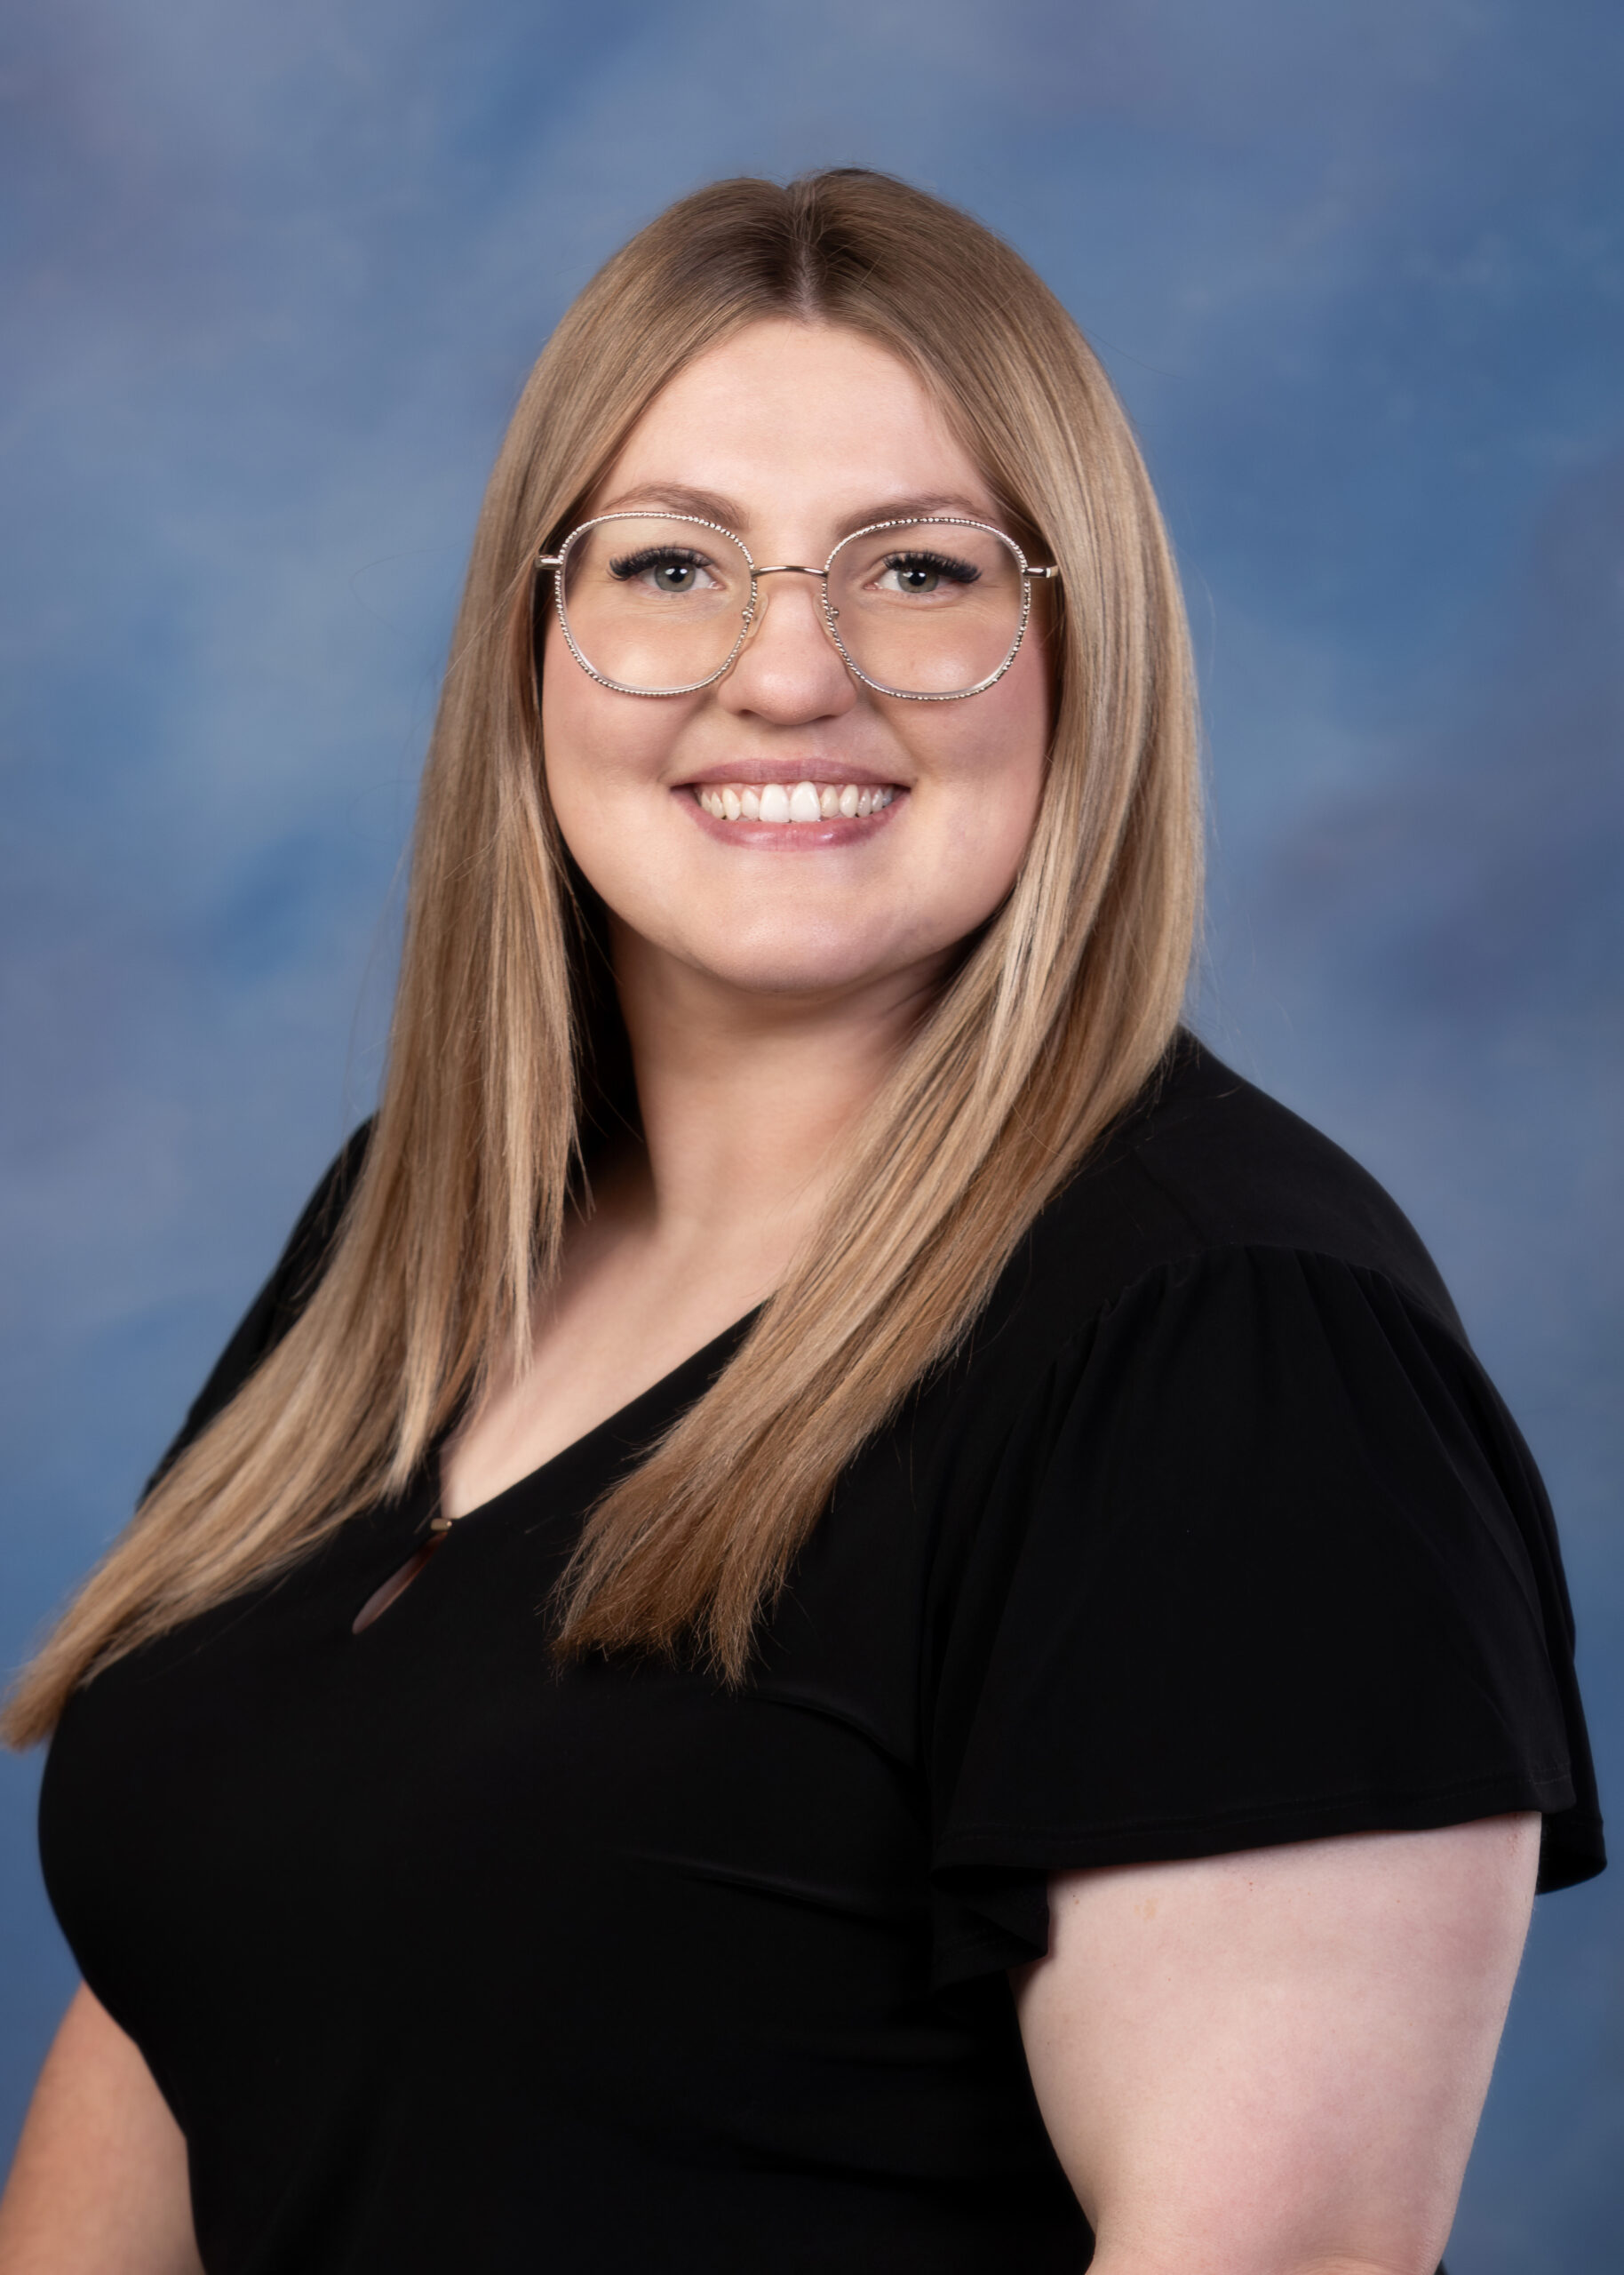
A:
793, 836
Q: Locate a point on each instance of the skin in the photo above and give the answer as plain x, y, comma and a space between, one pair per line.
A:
1269, 2064
1274, 2063
98, 2184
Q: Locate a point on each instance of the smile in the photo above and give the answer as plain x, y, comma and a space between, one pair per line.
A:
798, 801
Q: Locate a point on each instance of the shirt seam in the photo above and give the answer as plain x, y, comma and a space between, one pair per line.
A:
1070, 1342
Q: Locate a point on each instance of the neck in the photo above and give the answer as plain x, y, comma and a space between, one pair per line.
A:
746, 1100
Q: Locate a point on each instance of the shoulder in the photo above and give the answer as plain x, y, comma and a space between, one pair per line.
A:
310, 1244
1219, 1442
282, 1298
1205, 1164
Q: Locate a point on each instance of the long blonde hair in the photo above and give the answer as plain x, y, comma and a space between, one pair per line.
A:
1055, 1017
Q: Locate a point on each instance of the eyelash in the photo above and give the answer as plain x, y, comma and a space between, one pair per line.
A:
632, 564
961, 572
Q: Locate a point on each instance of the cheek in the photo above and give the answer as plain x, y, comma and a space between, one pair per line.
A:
987, 840
573, 726
992, 752
595, 742
977, 820
582, 762
1001, 766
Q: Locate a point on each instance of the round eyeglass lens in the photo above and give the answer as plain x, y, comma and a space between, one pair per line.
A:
654, 604
930, 608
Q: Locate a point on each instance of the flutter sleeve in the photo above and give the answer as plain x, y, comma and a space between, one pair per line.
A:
1268, 1562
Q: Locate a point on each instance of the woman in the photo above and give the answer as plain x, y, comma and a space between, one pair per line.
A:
820, 1462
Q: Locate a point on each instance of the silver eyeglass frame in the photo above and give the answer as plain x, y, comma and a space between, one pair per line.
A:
557, 562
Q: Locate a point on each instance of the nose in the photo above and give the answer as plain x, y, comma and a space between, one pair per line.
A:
789, 669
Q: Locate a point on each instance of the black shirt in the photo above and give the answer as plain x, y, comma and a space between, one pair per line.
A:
1215, 1535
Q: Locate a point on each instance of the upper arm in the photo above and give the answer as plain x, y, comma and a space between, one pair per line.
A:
1276, 2060
99, 2184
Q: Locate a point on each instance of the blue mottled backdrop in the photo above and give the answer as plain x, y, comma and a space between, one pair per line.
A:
273, 277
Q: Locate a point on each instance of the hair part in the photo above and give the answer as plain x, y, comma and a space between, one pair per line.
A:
1054, 1021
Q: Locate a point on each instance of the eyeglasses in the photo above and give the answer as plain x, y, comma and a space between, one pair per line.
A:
928, 611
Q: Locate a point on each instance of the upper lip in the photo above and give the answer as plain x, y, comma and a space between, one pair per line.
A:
819, 772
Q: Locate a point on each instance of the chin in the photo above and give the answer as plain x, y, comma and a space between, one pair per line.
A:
787, 970
773, 957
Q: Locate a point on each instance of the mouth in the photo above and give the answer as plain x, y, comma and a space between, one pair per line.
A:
794, 804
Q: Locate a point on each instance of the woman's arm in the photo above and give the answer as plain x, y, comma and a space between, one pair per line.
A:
1274, 2063
99, 2182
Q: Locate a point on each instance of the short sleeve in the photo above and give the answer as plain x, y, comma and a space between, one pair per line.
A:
1267, 1562
280, 1301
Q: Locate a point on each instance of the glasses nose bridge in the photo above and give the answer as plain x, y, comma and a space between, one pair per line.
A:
793, 568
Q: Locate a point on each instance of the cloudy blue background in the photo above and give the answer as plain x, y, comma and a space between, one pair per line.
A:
273, 277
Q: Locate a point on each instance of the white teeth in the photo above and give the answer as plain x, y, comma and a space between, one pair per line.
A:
772, 801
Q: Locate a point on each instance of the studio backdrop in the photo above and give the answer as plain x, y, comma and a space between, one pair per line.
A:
273, 277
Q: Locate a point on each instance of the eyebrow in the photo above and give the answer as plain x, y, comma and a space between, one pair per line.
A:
710, 506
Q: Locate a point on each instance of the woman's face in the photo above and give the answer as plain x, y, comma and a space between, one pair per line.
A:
794, 435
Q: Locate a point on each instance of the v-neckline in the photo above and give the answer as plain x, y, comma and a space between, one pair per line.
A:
640, 1418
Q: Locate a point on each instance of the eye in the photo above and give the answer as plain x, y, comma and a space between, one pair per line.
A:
675, 569
923, 573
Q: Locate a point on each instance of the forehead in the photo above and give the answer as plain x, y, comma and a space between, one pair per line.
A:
807, 423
